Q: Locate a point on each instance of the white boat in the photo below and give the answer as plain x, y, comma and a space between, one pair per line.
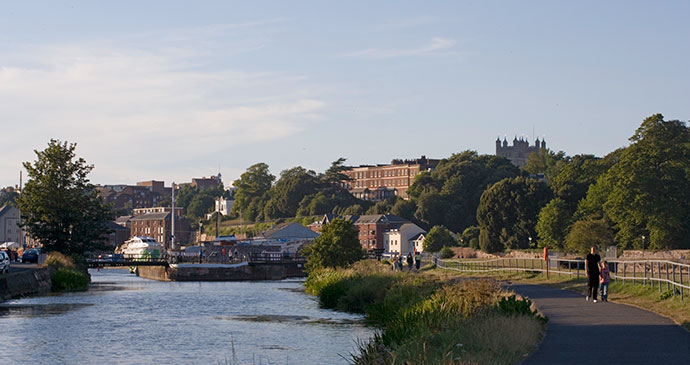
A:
142, 247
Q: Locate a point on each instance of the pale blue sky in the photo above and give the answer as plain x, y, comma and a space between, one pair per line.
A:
171, 90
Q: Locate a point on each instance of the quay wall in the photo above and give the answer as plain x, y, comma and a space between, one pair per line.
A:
26, 282
211, 272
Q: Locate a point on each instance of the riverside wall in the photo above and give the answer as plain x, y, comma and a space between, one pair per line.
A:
26, 282
210, 272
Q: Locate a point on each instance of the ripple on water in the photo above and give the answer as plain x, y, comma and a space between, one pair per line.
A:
290, 319
39, 310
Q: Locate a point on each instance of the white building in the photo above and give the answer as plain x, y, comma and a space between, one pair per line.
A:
223, 206
403, 238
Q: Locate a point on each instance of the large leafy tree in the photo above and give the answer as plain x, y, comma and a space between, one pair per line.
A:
586, 233
552, 225
60, 207
285, 196
437, 238
337, 246
450, 194
252, 191
508, 211
650, 187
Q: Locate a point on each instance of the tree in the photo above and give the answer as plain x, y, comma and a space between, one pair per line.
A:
8, 196
470, 237
587, 233
337, 246
552, 225
251, 191
650, 186
60, 207
437, 238
450, 194
404, 208
508, 211
545, 162
287, 193
382, 207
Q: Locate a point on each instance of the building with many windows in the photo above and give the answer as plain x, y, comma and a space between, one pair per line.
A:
379, 182
159, 227
9, 224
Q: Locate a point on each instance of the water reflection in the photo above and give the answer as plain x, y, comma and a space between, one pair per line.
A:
128, 320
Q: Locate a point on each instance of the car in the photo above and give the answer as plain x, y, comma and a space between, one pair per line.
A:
4, 262
30, 256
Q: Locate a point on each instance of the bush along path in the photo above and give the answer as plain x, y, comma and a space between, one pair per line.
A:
426, 320
584, 332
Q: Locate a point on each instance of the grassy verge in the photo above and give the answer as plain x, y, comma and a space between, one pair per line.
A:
66, 276
428, 318
643, 296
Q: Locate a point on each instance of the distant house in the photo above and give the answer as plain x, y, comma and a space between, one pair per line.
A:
370, 228
403, 238
9, 224
290, 232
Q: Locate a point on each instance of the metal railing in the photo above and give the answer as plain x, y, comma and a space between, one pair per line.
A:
674, 276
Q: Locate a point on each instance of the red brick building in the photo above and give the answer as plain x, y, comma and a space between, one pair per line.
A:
158, 226
370, 228
381, 182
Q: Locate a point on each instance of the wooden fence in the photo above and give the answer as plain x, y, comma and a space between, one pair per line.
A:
674, 276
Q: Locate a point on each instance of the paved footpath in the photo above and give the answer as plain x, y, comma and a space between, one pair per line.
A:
582, 332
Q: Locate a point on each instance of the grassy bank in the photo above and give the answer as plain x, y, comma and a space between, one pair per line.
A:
643, 296
66, 275
427, 319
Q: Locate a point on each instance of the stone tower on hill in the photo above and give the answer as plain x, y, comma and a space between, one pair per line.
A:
518, 152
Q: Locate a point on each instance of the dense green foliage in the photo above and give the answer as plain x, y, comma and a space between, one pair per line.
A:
422, 319
450, 194
8, 196
251, 192
337, 246
553, 224
508, 213
447, 252
66, 275
59, 206
585, 233
437, 238
470, 237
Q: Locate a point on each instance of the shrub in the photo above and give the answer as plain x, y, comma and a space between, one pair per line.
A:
65, 275
447, 252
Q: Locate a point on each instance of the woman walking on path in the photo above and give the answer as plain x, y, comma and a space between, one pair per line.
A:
409, 262
592, 269
604, 278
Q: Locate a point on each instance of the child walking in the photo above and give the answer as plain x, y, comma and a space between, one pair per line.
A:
604, 278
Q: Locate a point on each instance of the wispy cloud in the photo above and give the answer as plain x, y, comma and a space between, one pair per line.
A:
432, 47
129, 109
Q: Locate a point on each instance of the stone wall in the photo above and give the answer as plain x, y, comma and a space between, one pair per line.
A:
27, 282
674, 255
211, 272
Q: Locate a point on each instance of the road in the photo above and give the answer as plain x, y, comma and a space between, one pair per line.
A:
583, 332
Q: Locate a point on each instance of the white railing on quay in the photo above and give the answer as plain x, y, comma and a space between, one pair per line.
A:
675, 275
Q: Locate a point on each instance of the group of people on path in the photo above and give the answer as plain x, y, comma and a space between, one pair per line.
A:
597, 273
415, 261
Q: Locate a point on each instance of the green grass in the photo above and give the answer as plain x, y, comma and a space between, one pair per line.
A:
66, 276
427, 319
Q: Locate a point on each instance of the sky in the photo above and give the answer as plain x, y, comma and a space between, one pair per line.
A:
170, 90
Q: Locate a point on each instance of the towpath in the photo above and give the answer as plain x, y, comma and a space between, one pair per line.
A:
583, 332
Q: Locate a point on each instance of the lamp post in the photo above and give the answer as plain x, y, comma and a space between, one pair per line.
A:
643, 237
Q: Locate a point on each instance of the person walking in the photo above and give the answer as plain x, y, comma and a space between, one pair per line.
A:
400, 262
418, 260
604, 278
592, 270
409, 262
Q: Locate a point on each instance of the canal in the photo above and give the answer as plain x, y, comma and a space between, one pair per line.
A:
124, 319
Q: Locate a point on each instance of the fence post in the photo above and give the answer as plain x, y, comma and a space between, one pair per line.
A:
668, 285
624, 270
673, 275
658, 270
644, 281
651, 274
634, 272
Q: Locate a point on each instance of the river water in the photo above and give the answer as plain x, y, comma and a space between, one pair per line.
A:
124, 319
